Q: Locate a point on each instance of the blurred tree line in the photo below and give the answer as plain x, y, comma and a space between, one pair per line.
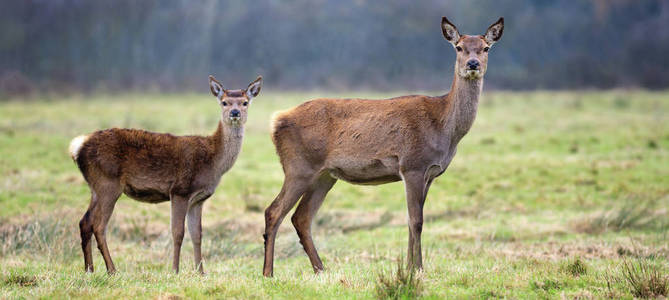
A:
85, 45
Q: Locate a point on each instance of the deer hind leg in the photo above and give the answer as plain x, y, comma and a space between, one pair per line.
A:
293, 188
304, 214
416, 189
106, 194
86, 229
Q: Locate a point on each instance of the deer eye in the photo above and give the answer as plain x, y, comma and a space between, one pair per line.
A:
458, 48
224, 103
245, 103
486, 49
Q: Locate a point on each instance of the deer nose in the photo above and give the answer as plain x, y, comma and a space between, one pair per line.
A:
473, 64
235, 113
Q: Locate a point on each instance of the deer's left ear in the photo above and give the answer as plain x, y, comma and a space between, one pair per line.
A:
494, 32
254, 88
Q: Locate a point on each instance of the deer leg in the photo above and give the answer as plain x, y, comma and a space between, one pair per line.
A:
179, 208
86, 229
415, 186
304, 214
291, 191
103, 208
195, 231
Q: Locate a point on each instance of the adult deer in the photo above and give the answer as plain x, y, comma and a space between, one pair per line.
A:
409, 138
157, 167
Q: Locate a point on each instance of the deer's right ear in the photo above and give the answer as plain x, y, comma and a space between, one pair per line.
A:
216, 87
449, 30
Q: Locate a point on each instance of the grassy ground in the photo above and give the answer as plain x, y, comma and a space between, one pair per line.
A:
551, 195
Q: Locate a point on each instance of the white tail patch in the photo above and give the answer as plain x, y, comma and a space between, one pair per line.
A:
275, 117
75, 145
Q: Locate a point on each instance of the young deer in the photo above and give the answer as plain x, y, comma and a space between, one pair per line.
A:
409, 138
157, 167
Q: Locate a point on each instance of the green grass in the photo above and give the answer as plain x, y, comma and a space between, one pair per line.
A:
549, 195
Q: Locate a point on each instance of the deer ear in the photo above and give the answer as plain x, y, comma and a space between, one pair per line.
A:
215, 87
494, 32
254, 88
449, 31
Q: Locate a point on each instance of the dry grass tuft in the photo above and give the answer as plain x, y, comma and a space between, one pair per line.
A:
350, 221
629, 216
55, 235
547, 284
253, 202
168, 296
575, 267
20, 280
644, 279
403, 283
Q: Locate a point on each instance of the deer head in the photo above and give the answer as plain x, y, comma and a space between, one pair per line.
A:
472, 50
234, 103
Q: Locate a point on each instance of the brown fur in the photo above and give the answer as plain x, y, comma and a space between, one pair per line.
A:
157, 167
410, 138
153, 165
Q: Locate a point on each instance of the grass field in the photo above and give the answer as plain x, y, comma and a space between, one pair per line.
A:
552, 194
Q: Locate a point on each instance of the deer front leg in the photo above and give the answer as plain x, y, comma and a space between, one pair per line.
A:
195, 231
179, 207
415, 186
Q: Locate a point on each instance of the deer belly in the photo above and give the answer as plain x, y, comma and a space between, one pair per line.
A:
145, 194
366, 172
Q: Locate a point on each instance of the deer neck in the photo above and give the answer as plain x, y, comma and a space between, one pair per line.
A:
227, 144
465, 100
